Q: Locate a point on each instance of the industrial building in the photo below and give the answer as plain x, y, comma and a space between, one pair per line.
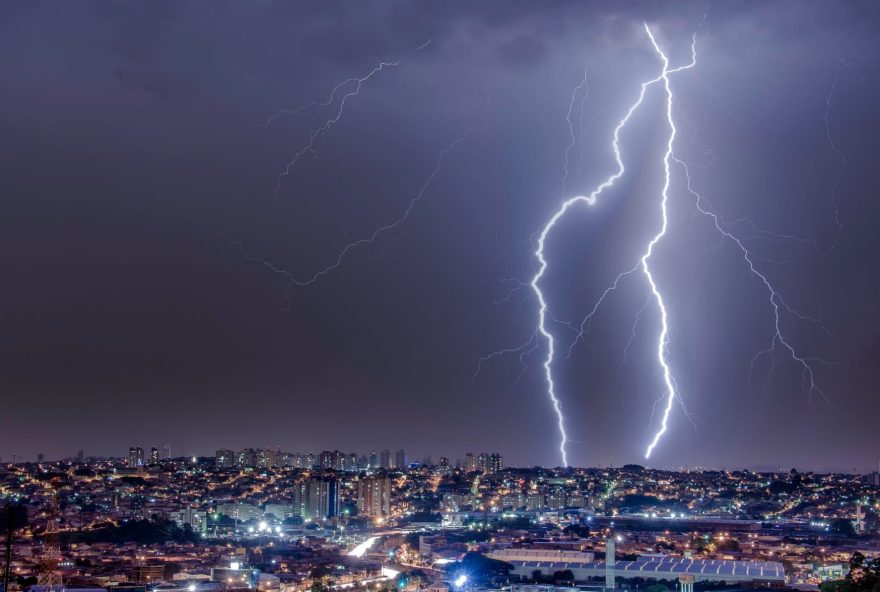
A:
659, 567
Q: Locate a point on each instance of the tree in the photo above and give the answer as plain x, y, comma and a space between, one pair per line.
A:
656, 588
863, 576
729, 545
844, 527
832, 586
578, 530
319, 572
566, 575
19, 516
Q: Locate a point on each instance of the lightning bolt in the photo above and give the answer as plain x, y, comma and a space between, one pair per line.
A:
321, 105
345, 90
354, 85
585, 86
321, 131
632, 333
778, 304
663, 338
838, 153
293, 281
590, 200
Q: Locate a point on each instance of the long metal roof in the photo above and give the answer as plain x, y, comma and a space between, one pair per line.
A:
705, 567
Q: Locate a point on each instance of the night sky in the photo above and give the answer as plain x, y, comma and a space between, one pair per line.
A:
132, 159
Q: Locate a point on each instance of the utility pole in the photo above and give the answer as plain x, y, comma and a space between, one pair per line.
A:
49, 578
8, 554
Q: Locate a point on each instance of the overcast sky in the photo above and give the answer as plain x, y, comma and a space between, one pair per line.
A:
133, 161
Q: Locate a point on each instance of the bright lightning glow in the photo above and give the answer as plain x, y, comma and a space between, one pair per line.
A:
591, 200
663, 338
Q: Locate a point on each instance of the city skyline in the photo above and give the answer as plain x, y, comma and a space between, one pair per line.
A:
317, 228
375, 459
222, 524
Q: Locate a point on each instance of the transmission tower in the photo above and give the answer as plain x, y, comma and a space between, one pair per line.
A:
49, 577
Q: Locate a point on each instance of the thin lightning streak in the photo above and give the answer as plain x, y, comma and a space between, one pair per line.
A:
565, 158
632, 334
517, 286
325, 127
663, 338
838, 153
293, 281
772, 351
777, 302
523, 350
757, 356
581, 123
588, 320
662, 397
319, 104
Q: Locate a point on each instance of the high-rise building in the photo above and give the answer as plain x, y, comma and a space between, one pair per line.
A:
198, 520
246, 458
385, 459
400, 459
321, 498
470, 463
166, 451
373, 462
280, 511
224, 458
496, 463
135, 456
340, 460
374, 496
483, 462
154, 456
265, 459
325, 459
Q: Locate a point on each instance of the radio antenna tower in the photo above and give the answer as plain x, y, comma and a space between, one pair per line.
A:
49, 577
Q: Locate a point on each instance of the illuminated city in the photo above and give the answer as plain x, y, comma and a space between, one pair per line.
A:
273, 520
